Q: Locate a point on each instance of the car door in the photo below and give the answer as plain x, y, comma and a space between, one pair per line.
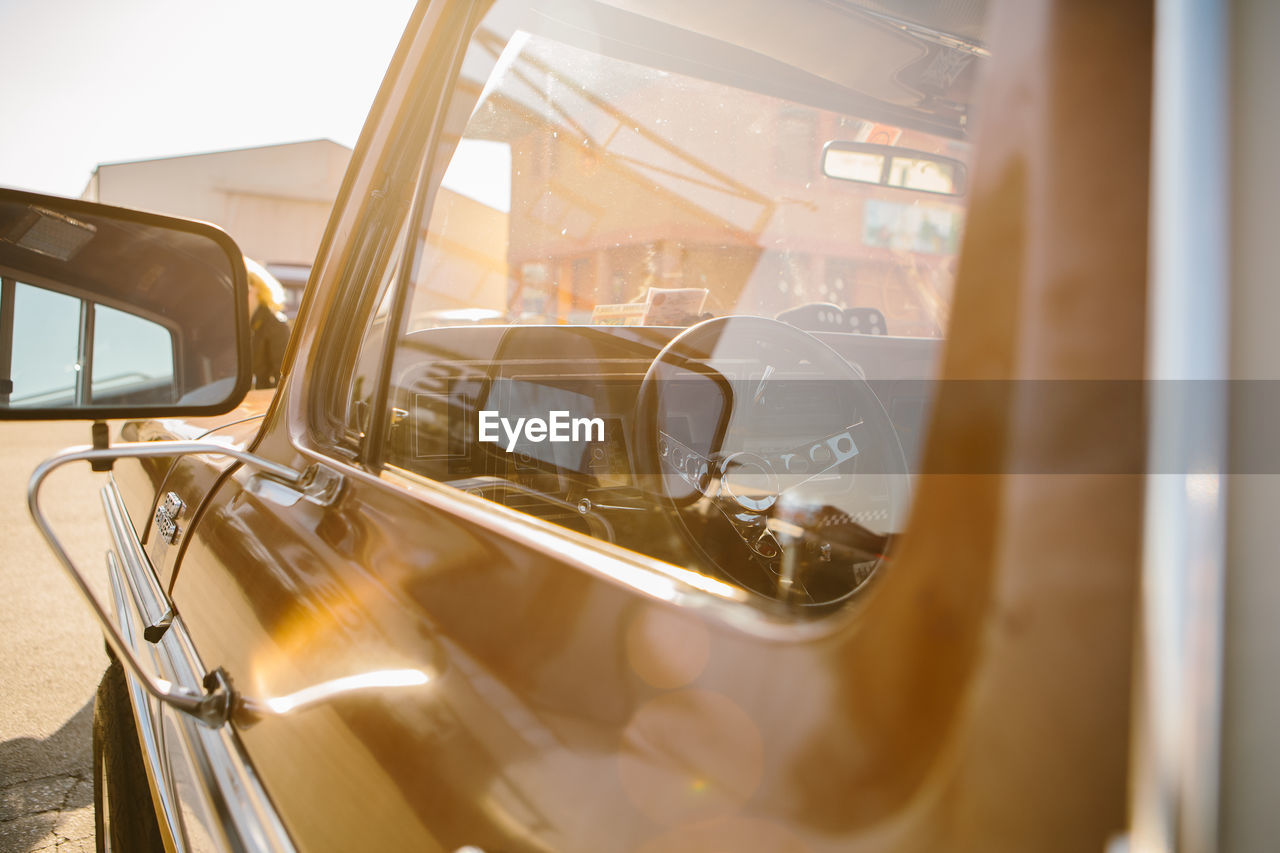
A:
432, 655
550, 700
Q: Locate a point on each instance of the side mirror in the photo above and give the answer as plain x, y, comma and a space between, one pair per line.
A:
889, 166
108, 313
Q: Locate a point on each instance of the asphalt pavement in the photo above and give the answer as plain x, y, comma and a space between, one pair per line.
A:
51, 652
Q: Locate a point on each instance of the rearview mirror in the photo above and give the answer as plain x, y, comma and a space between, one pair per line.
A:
107, 312
888, 166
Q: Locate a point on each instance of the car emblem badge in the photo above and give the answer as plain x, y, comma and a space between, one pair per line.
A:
167, 517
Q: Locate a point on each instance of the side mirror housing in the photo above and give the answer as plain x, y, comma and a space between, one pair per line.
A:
107, 312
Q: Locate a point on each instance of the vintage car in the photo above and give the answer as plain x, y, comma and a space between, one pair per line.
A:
708, 427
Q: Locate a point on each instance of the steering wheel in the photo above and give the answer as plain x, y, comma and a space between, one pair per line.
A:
775, 457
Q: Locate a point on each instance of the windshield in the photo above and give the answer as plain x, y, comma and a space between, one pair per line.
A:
598, 180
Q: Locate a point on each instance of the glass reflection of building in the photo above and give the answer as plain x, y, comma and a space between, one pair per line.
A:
623, 177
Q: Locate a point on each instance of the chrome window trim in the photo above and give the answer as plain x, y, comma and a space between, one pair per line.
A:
231, 788
644, 575
1178, 677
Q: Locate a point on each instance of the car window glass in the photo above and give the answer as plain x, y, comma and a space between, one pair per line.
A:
641, 309
65, 348
129, 351
46, 345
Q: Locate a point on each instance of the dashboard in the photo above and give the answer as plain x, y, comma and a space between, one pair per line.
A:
741, 447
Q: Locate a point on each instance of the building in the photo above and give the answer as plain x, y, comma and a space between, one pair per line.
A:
274, 200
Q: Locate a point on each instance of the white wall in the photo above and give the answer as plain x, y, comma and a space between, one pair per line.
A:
274, 200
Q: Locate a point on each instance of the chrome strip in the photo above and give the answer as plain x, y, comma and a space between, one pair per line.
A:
1178, 676
230, 785
637, 572
143, 720
153, 604
239, 798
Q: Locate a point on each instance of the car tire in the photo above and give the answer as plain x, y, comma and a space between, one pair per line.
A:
124, 818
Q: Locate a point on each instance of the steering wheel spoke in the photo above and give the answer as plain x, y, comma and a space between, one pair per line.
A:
800, 464
754, 530
688, 464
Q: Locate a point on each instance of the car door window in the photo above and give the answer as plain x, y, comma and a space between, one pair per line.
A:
646, 306
66, 348
129, 351
46, 345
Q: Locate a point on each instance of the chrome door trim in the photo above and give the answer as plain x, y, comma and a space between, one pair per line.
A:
143, 718
152, 603
1176, 743
229, 784
229, 780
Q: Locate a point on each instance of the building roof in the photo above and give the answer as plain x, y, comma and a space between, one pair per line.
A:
225, 151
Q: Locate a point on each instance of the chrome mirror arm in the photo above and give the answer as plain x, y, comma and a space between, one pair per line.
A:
214, 707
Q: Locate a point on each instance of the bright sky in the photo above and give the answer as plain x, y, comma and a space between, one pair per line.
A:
100, 82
